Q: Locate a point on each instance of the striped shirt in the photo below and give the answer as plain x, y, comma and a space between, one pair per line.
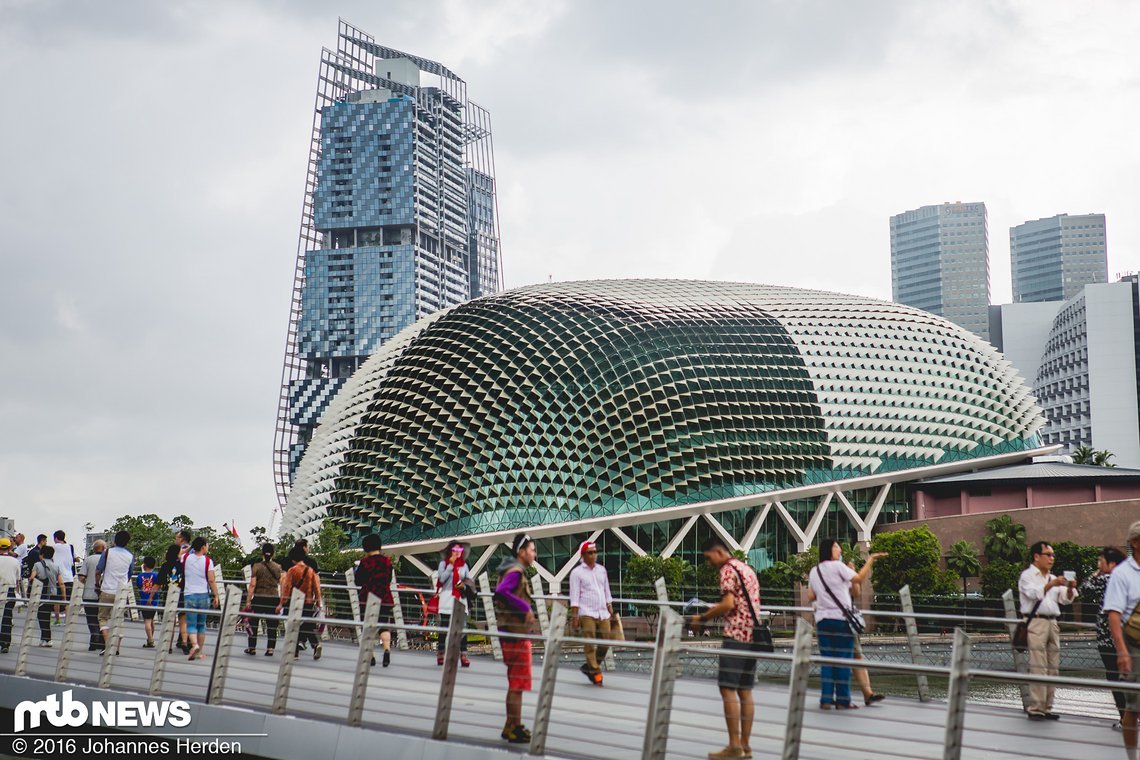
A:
590, 591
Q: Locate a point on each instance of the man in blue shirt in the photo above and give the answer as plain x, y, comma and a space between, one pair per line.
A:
1121, 599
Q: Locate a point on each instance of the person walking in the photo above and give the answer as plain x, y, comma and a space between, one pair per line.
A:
591, 608
113, 572
305, 579
147, 584
829, 586
1122, 606
87, 573
1092, 594
736, 676
451, 578
47, 571
183, 539
201, 592
65, 560
1042, 595
10, 571
515, 614
870, 696
20, 551
170, 579
374, 577
261, 598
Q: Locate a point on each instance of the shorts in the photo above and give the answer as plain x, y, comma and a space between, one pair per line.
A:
148, 614
738, 673
517, 658
196, 621
105, 602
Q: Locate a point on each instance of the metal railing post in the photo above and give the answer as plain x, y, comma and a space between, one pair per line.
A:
1020, 661
74, 611
353, 599
489, 614
35, 599
662, 590
369, 635
551, 655
114, 636
956, 696
227, 629
797, 689
913, 641
450, 668
164, 640
398, 616
666, 668
289, 656
131, 611
540, 605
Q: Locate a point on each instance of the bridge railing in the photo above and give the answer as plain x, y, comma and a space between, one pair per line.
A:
429, 709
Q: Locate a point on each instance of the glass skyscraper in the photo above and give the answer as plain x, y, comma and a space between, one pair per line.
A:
399, 221
940, 262
1052, 259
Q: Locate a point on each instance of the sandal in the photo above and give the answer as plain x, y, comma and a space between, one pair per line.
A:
268, 652
825, 705
251, 650
873, 699
194, 652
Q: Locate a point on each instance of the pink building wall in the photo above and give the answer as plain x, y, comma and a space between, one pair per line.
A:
926, 505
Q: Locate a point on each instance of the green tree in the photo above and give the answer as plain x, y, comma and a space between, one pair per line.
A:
914, 559
963, 562
150, 535
1091, 456
330, 549
1004, 540
999, 576
1071, 556
642, 572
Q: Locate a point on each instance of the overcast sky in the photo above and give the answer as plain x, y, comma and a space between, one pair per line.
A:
153, 158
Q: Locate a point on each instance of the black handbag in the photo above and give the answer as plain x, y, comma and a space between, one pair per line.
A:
1021, 632
761, 634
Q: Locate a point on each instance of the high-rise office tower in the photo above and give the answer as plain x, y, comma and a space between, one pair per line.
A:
399, 221
1052, 259
940, 262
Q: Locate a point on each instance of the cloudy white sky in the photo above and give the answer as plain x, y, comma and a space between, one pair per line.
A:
153, 156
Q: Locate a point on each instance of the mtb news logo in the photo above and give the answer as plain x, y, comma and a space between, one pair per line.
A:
61, 710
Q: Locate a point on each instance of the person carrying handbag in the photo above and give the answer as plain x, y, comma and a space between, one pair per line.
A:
837, 621
453, 578
305, 579
739, 605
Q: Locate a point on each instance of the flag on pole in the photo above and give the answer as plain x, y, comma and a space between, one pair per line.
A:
233, 531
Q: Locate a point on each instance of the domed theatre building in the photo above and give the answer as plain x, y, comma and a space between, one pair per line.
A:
647, 414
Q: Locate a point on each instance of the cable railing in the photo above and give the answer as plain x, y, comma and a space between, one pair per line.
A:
644, 716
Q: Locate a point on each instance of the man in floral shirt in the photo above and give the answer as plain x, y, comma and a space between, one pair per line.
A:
740, 607
1092, 591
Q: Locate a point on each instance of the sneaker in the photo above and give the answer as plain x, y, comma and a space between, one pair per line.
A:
596, 679
148, 645
1036, 716
387, 658
317, 652
464, 661
45, 644
1052, 716
4, 650
1115, 726
727, 752
586, 671
517, 735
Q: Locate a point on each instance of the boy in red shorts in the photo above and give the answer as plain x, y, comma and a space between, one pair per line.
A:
515, 615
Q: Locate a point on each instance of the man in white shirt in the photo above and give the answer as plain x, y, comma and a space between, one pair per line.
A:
10, 568
1042, 595
111, 574
1121, 598
65, 561
21, 554
591, 608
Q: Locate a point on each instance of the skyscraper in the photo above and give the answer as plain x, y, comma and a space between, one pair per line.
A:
1052, 259
940, 262
399, 221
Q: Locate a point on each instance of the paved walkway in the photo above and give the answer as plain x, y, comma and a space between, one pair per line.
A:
587, 721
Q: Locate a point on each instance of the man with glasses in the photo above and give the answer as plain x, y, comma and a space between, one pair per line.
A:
1042, 595
591, 608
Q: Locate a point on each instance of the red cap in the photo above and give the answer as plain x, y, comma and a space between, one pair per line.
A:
588, 546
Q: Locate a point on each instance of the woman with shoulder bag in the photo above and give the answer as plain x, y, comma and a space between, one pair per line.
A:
452, 580
303, 578
836, 619
261, 598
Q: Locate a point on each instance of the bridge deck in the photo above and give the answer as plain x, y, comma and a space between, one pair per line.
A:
587, 721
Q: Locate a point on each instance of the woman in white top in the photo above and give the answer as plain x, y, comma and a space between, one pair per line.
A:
449, 584
200, 590
830, 588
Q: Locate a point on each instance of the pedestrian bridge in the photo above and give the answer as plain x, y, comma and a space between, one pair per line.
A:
336, 707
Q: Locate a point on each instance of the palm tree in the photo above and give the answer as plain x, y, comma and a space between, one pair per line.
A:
1100, 458
1004, 540
1089, 455
963, 561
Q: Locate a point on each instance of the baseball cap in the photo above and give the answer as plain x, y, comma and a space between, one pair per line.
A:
1134, 530
5, 544
587, 546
